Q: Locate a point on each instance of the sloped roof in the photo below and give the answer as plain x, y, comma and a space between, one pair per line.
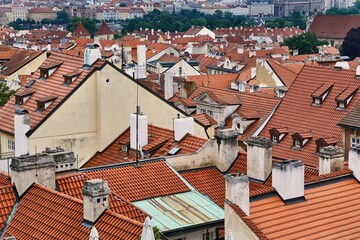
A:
352, 119
286, 75
160, 141
73, 184
104, 29
152, 179
18, 60
44, 213
205, 119
321, 121
52, 86
330, 211
80, 31
221, 81
334, 26
7, 201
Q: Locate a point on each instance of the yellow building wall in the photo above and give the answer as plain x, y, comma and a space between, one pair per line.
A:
4, 144
98, 112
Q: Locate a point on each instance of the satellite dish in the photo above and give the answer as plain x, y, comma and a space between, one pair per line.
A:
116, 59
115, 48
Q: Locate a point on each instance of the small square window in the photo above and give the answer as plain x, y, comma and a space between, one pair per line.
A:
297, 143
44, 73
355, 142
11, 145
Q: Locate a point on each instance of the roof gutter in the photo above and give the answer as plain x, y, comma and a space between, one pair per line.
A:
193, 228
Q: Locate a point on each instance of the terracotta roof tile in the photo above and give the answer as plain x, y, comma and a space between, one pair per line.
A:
104, 29
330, 211
80, 31
352, 119
287, 76
7, 201
18, 60
44, 213
321, 121
221, 81
152, 179
73, 184
205, 119
52, 86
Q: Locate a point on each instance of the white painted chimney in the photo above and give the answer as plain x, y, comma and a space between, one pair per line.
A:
182, 126
288, 179
253, 72
240, 50
227, 148
141, 62
21, 127
96, 199
295, 52
331, 159
142, 130
357, 75
169, 85
354, 161
259, 157
252, 53
237, 191
92, 54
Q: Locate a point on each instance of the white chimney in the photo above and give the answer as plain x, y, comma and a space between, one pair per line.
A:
288, 179
253, 72
331, 159
240, 50
141, 62
96, 199
285, 57
259, 157
357, 75
354, 161
237, 191
227, 148
295, 52
169, 85
21, 127
142, 130
252, 53
182, 126
92, 54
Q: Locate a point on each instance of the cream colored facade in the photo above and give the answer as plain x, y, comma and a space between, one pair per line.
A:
27, 69
43, 15
99, 111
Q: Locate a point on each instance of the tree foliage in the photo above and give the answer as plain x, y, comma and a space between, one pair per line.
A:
184, 19
295, 19
5, 93
88, 23
306, 43
351, 44
345, 11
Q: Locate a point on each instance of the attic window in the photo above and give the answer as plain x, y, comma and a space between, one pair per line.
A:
277, 134
321, 93
124, 147
71, 77
21, 97
27, 57
300, 139
344, 98
44, 103
47, 69
323, 142
174, 150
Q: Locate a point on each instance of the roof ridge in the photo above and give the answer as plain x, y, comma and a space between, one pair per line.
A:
129, 202
123, 217
37, 185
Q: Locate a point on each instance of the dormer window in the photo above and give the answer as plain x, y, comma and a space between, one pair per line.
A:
277, 134
44, 103
22, 96
321, 93
300, 139
71, 77
323, 142
47, 69
344, 98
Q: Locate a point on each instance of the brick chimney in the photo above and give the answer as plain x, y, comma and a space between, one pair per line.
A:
96, 199
331, 159
288, 180
237, 191
259, 157
227, 148
21, 127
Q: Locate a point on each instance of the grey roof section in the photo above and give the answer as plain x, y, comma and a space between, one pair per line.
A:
352, 119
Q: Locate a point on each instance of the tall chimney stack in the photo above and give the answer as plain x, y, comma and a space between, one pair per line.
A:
288, 180
182, 126
227, 148
141, 62
331, 159
142, 130
21, 127
92, 54
237, 191
96, 199
354, 161
169, 85
259, 157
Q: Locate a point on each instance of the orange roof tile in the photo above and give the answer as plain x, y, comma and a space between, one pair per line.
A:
152, 179
44, 213
18, 60
80, 31
52, 86
205, 119
7, 201
321, 121
221, 81
287, 76
104, 29
156, 48
73, 184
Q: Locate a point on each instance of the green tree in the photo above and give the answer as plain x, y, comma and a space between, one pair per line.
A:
62, 17
5, 93
88, 23
306, 43
122, 5
351, 44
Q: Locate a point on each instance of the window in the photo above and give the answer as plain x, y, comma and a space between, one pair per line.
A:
44, 73
180, 71
203, 110
11, 145
274, 138
210, 113
297, 143
355, 142
208, 236
18, 100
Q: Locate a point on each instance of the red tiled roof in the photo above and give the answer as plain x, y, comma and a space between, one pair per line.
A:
52, 86
73, 184
44, 213
205, 119
152, 179
297, 113
330, 211
4, 179
7, 201
287, 76
104, 29
334, 26
156, 48
41, 10
221, 81
18, 60
208, 181
80, 31
160, 141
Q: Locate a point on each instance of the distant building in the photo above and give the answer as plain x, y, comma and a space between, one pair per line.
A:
261, 9
39, 14
284, 8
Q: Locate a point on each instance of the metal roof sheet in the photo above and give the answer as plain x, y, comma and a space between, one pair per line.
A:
181, 210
